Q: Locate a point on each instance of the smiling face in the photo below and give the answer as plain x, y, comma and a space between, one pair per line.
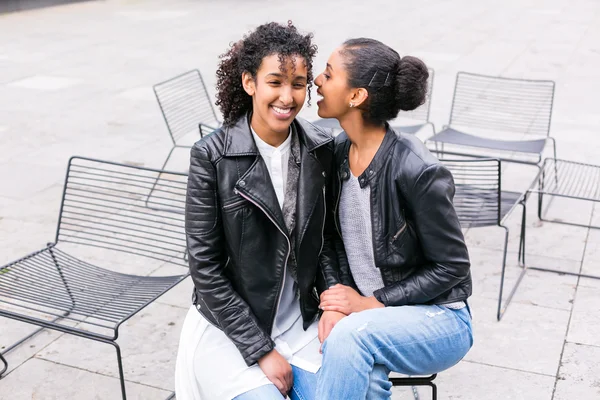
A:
278, 94
333, 87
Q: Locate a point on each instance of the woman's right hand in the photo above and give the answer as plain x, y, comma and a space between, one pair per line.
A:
277, 370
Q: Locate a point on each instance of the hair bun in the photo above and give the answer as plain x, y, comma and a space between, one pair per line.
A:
411, 81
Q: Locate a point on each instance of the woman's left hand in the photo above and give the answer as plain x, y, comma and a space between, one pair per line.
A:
346, 300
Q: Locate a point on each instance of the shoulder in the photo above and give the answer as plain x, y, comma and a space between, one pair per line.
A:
413, 160
314, 136
210, 146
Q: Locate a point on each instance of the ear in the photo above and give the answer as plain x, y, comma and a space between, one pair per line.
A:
248, 83
359, 97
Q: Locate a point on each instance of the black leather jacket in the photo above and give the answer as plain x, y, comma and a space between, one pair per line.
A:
237, 241
417, 240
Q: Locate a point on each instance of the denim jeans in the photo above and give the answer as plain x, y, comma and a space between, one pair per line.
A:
304, 386
413, 340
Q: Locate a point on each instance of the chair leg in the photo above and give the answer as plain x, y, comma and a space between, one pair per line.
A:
158, 176
121, 375
555, 166
523, 234
433, 391
502, 308
5, 364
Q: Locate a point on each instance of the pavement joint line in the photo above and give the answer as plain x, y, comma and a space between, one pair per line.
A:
37, 350
562, 352
100, 373
172, 305
508, 368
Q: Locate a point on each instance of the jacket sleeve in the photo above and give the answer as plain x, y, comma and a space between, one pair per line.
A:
207, 259
439, 233
334, 267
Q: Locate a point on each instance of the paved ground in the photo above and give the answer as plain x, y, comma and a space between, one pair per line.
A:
77, 79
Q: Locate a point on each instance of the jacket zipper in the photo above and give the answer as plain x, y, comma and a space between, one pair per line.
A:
286, 258
315, 292
337, 203
397, 235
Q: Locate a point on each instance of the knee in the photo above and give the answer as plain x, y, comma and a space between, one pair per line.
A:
345, 336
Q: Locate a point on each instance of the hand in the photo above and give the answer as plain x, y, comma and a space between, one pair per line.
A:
277, 370
326, 324
346, 300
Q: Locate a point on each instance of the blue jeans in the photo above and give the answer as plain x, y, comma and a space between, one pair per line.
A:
304, 387
413, 340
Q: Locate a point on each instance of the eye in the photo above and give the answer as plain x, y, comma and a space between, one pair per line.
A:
274, 83
326, 76
299, 85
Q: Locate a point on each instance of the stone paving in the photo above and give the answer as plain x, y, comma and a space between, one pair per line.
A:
77, 79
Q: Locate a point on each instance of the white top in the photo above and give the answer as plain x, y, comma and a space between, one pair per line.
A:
355, 221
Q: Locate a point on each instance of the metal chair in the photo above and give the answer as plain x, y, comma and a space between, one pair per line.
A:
407, 121
414, 381
480, 201
497, 117
186, 108
103, 206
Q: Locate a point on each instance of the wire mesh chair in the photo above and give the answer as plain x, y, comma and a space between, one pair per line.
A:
407, 121
186, 108
480, 201
103, 207
498, 117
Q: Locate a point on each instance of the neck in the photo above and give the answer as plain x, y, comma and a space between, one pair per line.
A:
268, 135
362, 135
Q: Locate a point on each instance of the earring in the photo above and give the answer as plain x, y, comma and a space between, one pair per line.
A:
351, 105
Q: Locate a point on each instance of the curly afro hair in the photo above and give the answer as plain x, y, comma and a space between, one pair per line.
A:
246, 56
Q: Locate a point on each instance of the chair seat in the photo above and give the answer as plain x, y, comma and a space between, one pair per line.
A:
453, 136
108, 297
476, 208
332, 123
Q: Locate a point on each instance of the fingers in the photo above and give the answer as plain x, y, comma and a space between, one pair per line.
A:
321, 329
343, 310
281, 386
289, 380
332, 296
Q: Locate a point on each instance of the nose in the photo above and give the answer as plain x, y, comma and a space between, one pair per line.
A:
285, 95
318, 80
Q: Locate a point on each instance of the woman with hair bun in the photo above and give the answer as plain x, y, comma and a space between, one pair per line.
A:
260, 250
406, 310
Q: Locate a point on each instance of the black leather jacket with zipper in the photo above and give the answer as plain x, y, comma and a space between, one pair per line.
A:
237, 241
417, 239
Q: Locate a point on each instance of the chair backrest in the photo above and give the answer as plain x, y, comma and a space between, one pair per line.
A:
518, 106
185, 103
422, 112
478, 191
107, 205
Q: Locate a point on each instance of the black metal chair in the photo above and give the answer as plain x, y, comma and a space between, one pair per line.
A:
571, 180
407, 121
186, 108
414, 381
480, 201
497, 117
103, 206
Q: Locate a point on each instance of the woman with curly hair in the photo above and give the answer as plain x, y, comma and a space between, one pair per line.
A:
260, 250
406, 310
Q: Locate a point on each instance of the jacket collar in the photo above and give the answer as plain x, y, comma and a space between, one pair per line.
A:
239, 141
378, 161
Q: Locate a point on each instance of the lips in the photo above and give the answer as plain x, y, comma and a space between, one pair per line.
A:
283, 112
320, 101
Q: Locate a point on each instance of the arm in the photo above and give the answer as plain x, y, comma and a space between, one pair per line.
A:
438, 229
333, 264
207, 259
